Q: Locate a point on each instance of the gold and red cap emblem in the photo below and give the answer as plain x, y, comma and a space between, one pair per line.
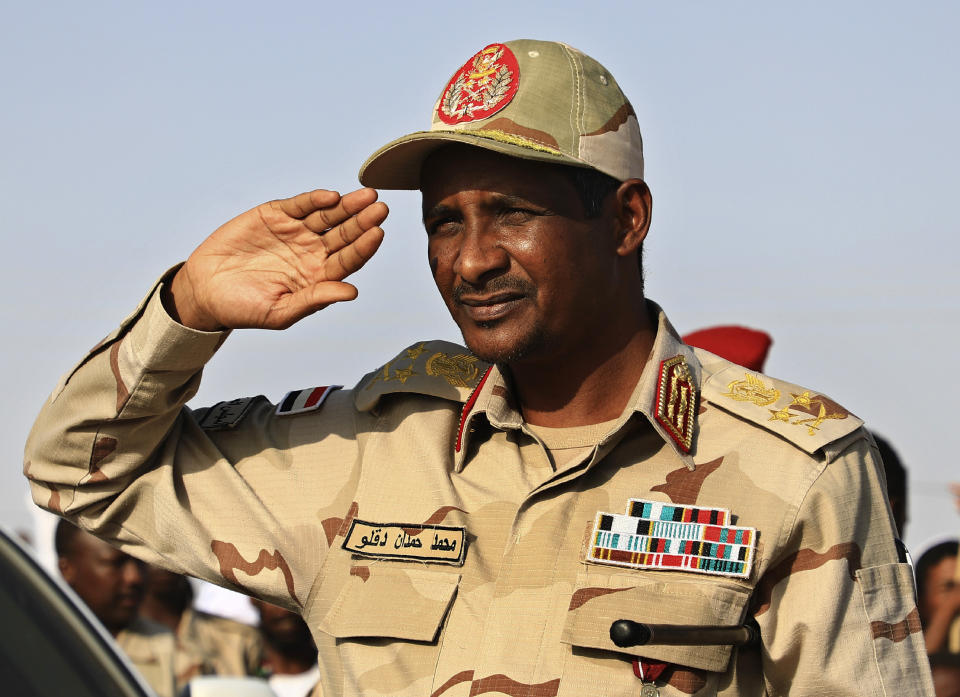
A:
483, 86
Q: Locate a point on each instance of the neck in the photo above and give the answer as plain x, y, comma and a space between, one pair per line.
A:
163, 610
289, 661
588, 387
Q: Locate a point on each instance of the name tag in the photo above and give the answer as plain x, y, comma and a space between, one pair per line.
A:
414, 542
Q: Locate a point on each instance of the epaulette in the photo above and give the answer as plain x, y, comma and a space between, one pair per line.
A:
808, 419
434, 368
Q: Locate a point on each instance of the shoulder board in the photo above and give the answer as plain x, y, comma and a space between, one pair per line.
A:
434, 368
808, 419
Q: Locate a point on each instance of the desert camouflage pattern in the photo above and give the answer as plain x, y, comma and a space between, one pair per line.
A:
151, 648
567, 109
262, 503
212, 645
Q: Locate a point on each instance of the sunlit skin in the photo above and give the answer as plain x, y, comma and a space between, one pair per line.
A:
535, 284
107, 580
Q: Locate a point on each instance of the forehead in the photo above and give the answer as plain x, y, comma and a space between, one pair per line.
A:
91, 547
458, 168
941, 572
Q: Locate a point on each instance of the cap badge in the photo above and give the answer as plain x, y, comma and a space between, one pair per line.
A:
483, 86
676, 401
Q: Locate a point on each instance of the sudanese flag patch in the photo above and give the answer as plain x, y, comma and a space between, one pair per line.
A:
484, 85
299, 401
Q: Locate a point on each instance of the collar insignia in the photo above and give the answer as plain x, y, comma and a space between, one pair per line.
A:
676, 401
668, 537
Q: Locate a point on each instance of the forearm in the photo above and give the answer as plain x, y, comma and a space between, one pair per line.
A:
106, 420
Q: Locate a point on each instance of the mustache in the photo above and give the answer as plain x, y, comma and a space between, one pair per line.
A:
500, 284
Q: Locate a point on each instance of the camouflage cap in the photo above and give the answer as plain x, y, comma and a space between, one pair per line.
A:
537, 100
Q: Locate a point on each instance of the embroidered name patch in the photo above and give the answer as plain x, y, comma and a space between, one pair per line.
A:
224, 415
656, 535
436, 543
299, 401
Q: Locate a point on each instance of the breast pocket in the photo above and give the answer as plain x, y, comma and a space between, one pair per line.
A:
391, 602
600, 599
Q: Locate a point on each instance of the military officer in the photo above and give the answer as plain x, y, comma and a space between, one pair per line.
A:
469, 521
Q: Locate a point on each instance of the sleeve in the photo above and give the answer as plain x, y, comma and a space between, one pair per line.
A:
252, 506
837, 610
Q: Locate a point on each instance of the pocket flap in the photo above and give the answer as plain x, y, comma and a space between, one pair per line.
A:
387, 601
599, 600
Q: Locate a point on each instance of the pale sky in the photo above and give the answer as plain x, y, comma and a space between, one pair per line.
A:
802, 160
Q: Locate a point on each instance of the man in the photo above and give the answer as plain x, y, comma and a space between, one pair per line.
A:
895, 475
466, 522
938, 595
111, 584
206, 644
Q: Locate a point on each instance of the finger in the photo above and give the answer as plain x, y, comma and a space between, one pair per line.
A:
346, 232
307, 301
351, 258
328, 217
306, 203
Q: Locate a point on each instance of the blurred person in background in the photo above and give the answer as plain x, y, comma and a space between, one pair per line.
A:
206, 644
938, 600
111, 584
896, 476
289, 655
945, 669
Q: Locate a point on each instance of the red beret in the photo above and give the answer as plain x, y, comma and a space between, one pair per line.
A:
743, 346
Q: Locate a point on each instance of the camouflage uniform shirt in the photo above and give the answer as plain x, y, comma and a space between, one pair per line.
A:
432, 445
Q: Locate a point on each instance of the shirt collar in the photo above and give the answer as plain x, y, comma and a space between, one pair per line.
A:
667, 395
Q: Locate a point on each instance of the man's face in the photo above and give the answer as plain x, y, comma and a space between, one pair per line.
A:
107, 580
523, 272
938, 584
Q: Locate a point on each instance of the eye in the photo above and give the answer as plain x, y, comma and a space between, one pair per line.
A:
517, 215
441, 226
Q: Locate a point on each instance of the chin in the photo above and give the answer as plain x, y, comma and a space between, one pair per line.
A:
494, 345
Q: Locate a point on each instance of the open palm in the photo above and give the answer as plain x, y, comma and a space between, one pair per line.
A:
278, 262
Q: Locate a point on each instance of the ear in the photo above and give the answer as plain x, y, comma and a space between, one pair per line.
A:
66, 569
634, 205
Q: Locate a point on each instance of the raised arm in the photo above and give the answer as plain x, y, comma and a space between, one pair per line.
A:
211, 493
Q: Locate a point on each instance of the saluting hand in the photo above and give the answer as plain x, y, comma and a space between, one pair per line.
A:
278, 262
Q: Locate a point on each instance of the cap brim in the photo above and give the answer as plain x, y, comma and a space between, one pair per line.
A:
397, 165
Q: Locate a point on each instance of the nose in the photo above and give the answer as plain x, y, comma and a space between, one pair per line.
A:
481, 255
133, 572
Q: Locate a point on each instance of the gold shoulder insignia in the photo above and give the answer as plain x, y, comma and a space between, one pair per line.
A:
435, 368
805, 418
